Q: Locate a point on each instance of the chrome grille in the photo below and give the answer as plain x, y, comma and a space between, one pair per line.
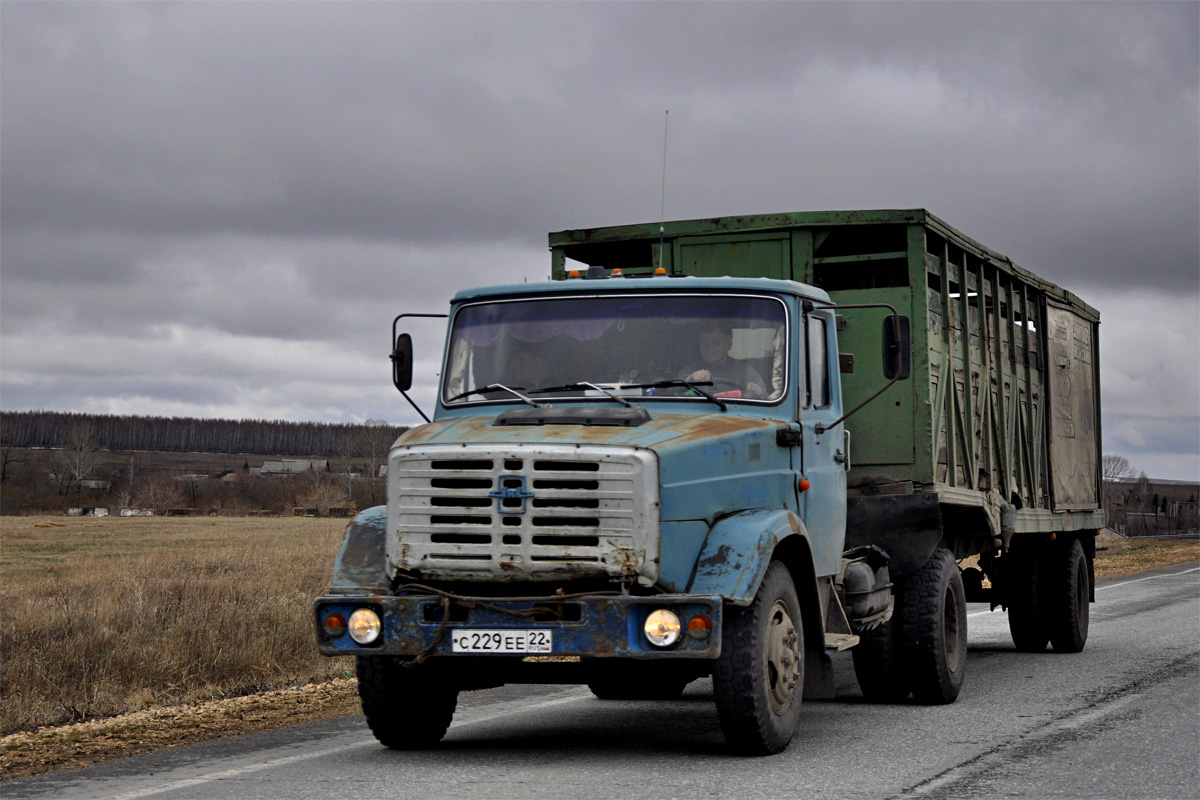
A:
523, 513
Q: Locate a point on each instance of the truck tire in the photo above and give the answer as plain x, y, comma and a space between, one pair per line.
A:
933, 630
407, 708
879, 665
1066, 589
1023, 598
758, 680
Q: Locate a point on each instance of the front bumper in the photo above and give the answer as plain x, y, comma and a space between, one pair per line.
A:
600, 626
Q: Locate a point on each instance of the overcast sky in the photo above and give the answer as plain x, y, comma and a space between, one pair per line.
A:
215, 209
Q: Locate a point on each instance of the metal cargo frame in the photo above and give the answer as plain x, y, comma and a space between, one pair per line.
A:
1003, 409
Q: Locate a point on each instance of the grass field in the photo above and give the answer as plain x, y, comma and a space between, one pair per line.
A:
102, 616
111, 615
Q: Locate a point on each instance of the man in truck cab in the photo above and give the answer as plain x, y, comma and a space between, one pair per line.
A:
729, 376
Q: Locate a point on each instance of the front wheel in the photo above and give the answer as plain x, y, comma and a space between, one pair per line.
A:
934, 630
407, 708
758, 679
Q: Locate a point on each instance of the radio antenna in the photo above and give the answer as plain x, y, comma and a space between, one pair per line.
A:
662, 211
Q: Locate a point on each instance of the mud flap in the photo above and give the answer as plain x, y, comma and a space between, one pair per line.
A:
818, 675
907, 527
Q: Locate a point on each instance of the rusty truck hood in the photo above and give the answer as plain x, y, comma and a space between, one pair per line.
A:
663, 428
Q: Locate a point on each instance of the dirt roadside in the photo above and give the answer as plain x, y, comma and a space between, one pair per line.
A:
86, 743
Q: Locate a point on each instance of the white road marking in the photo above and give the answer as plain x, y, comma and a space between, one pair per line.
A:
1149, 578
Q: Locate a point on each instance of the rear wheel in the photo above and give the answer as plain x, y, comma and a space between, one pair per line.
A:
934, 630
758, 679
1066, 593
407, 708
1022, 595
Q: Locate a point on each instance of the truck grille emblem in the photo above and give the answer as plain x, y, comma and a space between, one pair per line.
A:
512, 494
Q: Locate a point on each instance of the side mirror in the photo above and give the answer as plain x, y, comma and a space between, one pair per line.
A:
897, 347
402, 362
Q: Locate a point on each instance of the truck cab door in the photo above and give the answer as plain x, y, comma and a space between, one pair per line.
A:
823, 456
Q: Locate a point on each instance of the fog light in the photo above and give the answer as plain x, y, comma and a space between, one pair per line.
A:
662, 628
699, 627
335, 625
365, 626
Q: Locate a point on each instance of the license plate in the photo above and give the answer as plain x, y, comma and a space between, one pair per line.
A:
501, 641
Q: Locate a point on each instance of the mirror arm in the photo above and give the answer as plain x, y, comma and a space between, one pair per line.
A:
399, 317
821, 428
395, 322
415, 406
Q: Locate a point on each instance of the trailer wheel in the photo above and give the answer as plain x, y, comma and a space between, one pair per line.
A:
1066, 593
879, 665
758, 679
934, 630
407, 708
1024, 601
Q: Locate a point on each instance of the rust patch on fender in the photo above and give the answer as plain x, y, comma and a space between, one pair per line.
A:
719, 558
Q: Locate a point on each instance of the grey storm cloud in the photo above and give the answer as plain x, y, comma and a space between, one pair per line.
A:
191, 183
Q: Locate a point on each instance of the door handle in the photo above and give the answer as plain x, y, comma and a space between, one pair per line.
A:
843, 456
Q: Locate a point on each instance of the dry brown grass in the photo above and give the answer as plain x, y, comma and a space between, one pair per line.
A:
1130, 556
104, 616
109, 616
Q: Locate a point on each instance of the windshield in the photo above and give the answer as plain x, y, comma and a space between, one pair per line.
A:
728, 346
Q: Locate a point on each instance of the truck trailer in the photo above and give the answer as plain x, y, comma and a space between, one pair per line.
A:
729, 447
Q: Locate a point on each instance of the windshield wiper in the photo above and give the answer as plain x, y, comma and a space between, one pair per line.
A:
585, 385
491, 387
693, 385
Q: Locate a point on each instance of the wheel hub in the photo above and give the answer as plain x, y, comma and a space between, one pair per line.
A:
783, 658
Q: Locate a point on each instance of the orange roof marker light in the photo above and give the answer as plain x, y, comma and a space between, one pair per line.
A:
573, 274
616, 273
660, 271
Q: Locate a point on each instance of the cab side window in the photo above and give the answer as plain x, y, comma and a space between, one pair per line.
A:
818, 363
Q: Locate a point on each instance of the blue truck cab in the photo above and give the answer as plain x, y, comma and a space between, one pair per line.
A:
627, 482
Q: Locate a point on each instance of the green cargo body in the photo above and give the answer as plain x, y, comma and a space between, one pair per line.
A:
998, 433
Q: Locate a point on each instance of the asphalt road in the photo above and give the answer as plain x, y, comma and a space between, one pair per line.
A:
1120, 720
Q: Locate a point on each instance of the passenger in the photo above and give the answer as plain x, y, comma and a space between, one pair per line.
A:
727, 374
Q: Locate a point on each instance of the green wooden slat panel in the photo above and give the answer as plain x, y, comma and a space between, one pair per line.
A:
741, 257
882, 433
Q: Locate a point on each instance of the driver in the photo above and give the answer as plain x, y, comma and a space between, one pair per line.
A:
527, 369
724, 372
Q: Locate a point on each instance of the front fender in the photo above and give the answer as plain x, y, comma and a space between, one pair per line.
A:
360, 566
738, 550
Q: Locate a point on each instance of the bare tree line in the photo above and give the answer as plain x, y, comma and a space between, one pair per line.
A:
186, 434
49, 461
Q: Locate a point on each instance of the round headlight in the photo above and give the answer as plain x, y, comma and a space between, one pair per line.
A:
662, 628
364, 626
